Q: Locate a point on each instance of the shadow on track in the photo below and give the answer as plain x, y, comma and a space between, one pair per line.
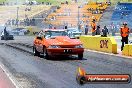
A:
63, 58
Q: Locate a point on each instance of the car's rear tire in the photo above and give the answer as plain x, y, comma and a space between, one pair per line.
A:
35, 52
45, 54
80, 56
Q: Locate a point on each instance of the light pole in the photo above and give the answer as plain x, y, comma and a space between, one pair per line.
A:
78, 18
17, 16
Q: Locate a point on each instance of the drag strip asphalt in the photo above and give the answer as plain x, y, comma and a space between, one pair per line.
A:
36, 72
60, 72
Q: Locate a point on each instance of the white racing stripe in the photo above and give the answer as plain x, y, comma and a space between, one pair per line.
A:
9, 75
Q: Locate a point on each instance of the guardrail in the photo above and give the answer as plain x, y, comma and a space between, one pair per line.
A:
98, 43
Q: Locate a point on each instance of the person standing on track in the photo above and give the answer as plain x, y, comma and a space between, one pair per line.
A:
93, 26
124, 31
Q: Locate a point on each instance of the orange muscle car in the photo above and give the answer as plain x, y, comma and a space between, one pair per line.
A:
56, 42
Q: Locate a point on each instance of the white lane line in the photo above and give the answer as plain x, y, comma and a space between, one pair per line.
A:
9, 75
110, 54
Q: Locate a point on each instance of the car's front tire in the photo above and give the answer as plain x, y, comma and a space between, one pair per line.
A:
80, 56
35, 52
45, 54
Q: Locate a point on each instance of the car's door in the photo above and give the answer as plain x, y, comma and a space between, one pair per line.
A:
39, 42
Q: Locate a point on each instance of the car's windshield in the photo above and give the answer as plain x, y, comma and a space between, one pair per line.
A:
73, 30
49, 34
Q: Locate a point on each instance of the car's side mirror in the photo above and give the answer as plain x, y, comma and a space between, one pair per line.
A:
40, 38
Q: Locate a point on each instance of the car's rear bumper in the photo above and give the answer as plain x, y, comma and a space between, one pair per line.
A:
65, 51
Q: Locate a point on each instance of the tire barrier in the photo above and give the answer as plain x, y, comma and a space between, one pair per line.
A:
98, 43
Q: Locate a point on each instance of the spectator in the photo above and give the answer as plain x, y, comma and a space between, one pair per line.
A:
93, 26
67, 2
24, 22
105, 31
79, 27
27, 22
69, 12
33, 20
50, 26
30, 22
13, 21
113, 29
9, 22
42, 2
54, 27
16, 22
65, 26
98, 30
86, 30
